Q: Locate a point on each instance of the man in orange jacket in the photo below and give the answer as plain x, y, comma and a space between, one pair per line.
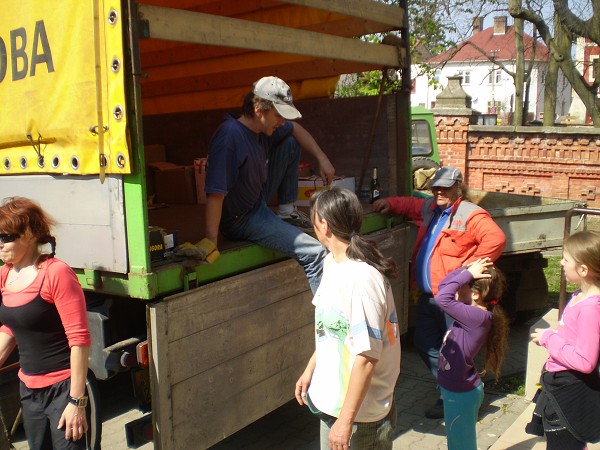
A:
452, 232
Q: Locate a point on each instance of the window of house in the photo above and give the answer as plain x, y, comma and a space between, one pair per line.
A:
494, 107
495, 76
466, 76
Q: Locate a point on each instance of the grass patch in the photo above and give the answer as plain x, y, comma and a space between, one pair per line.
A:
552, 273
510, 384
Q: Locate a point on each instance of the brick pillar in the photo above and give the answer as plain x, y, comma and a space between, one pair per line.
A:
453, 115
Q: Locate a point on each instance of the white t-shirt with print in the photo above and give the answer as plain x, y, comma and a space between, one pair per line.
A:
354, 314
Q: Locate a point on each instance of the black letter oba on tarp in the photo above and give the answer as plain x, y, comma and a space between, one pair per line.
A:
19, 59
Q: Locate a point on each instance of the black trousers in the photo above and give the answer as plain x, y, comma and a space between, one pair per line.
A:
42, 409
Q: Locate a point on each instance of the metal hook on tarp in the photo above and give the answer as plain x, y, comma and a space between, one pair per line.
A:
37, 148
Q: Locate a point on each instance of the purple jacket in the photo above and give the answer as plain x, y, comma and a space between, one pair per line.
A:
456, 370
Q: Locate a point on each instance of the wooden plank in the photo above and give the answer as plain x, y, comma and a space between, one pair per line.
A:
361, 9
199, 28
236, 412
226, 300
232, 379
278, 14
237, 336
197, 82
251, 336
398, 245
160, 380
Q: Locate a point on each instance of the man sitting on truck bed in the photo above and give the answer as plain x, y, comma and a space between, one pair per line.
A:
250, 159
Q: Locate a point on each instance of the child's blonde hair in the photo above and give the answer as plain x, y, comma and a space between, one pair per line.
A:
584, 248
490, 291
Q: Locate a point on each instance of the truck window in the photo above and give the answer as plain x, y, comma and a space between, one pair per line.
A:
421, 138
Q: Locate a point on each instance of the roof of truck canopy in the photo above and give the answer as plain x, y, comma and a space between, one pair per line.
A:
205, 54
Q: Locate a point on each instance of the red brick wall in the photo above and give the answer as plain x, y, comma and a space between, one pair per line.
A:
549, 162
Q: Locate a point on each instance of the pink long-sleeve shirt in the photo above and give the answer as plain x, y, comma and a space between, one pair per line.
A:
60, 287
575, 343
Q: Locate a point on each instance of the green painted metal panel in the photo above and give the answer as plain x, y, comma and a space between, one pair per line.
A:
175, 277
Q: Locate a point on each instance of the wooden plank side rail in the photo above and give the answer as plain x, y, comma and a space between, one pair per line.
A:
234, 350
187, 26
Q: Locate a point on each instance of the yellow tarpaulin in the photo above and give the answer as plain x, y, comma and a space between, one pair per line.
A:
51, 76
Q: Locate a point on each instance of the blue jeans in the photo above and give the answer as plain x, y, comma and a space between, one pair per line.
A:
283, 172
366, 435
461, 410
431, 325
261, 226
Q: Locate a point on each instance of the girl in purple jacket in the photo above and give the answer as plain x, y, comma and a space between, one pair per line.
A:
470, 296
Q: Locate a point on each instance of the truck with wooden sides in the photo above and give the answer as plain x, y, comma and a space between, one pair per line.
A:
105, 107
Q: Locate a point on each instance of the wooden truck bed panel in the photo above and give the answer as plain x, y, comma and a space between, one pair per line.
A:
265, 317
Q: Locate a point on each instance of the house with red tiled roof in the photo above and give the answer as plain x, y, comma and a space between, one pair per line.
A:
480, 60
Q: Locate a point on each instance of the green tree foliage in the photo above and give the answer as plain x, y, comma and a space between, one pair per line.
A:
429, 30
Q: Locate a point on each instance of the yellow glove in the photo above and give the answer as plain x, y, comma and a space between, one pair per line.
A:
204, 250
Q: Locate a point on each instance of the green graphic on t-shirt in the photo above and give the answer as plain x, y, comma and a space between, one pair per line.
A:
334, 323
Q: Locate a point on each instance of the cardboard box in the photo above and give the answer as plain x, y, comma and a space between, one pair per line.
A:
151, 169
161, 243
175, 185
200, 177
307, 186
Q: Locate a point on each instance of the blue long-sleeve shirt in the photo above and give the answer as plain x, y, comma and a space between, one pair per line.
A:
464, 339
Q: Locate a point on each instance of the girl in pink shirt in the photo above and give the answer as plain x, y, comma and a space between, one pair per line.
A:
568, 406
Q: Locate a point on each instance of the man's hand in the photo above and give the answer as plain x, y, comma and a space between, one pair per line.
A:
308, 144
381, 205
327, 171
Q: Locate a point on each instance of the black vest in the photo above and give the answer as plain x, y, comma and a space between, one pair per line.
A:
40, 336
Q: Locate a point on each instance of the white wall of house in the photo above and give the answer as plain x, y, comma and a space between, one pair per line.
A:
486, 90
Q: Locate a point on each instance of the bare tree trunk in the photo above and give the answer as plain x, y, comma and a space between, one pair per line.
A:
518, 116
550, 93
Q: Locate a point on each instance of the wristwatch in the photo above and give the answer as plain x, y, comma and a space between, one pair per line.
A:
80, 402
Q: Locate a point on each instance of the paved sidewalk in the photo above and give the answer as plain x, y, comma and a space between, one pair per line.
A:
294, 427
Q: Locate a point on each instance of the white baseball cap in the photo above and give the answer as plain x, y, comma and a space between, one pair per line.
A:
277, 91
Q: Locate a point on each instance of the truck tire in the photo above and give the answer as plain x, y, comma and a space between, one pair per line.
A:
94, 418
423, 170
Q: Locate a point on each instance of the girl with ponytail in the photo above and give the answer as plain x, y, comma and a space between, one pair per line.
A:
349, 381
469, 295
